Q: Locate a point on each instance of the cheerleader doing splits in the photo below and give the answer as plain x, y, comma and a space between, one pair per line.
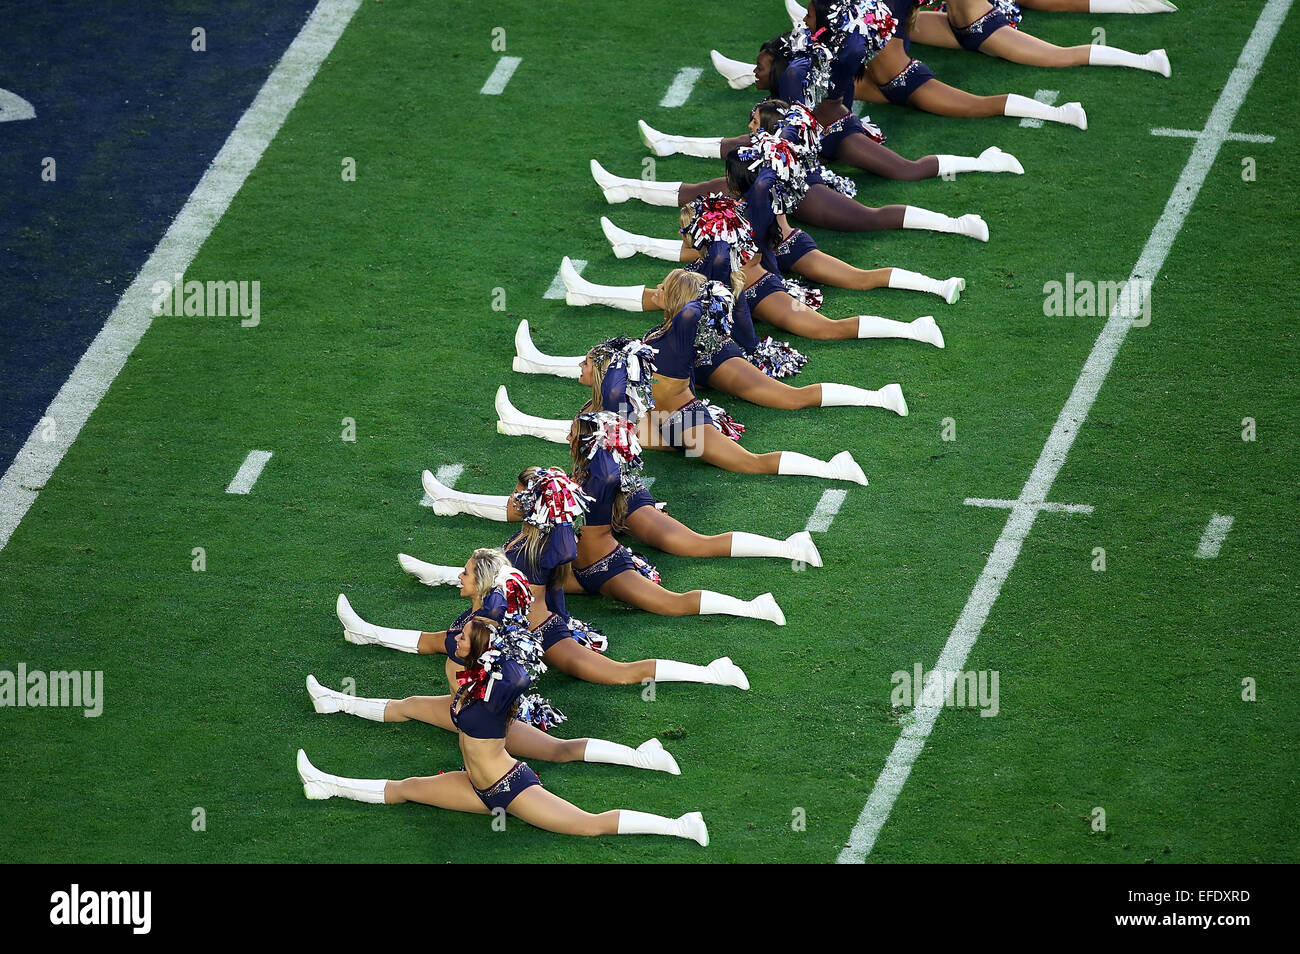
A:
483, 711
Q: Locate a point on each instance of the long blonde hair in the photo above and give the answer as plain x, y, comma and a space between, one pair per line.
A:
595, 403
533, 538
680, 288
582, 470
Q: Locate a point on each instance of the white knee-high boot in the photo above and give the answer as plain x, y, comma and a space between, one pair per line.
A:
430, 574
760, 607
1157, 61
889, 397
970, 225
626, 244
648, 755
1071, 114
324, 699
1131, 6
796, 12
662, 144
690, 825
798, 546
530, 360
720, 672
320, 785
579, 291
448, 502
738, 74
921, 329
840, 467
949, 289
515, 423
618, 189
991, 159
357, 630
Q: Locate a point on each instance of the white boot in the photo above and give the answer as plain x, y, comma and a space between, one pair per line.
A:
330, 700
796, 12
662, 144
579, 291
320, 785
970, 225
1131, 6
720, 672
738, 75
357, 630
448, 502
689, 826
889, 397
949, 289
648, 755
515, 423
430, 574
798, 546
991, 159
1071, 114
922, 329
617, 189
1157, 61
530, 360
760, 607
626, 244
840, 467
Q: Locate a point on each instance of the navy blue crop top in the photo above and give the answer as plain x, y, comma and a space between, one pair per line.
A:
604, 481
716, 267
676, 343
758, 209
489, 717
559, 547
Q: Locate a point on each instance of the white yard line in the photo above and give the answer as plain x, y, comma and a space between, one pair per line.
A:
1232, 136
827, 507
1212, 538
447, 475
680, 90
496, 83
94, 373
248, 472
1048, 96
1002, 560
556, 289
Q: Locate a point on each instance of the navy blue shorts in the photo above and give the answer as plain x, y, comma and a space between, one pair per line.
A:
704, 371
836, 133
769, 284
592, 578
552, 631
972, 37
638, 499
689, 416
797, 244
507, 788
900, 89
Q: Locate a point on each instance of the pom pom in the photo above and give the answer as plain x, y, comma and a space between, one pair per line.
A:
717, 217
551, 497
777, 359
645, 567
538, 711
514, 640
872, 19
791, 162
799, 119
514, 585
636, 360
724, 421
871, 129
810, 297
841, 184
715, 324
617, 435
1009, 10
588, 636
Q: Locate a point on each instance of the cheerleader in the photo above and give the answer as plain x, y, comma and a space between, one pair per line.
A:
483, 712
994, 28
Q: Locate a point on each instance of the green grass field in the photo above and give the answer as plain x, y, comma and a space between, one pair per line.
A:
1119, 689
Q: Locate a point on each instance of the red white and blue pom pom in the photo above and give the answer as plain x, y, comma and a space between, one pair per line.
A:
617, 435
637, 361
514, 640
841, 184
872, 130
809, 131
777, 359
724, 421
789, 160
551, 497
588, 635
714, 328
1011, 11
870, 18
514, 586
539, 711
645, 567
805, 294
717, 217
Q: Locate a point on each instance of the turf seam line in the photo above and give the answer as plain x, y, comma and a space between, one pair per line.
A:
952, 660
1212, 538
248, 472
90, 380
447, 474
505, 68
1046, 96
680, 89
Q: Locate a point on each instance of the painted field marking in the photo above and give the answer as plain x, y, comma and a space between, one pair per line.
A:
1047, 97
1193, 134
14, 108
248, 472
825, 511
1041, 505
1212, 538
912, 738
505, 68
94, 373
647, 482
557, 290
859, 107
681, 87
447, 475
